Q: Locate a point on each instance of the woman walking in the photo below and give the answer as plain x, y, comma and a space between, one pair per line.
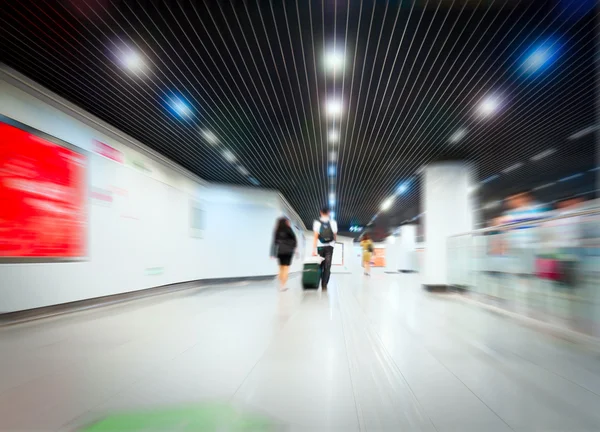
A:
367, 247
284, 245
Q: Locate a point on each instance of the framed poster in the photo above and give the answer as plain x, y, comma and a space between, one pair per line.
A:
43, 196
197, 218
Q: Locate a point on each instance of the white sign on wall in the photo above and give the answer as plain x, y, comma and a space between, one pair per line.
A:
197, 219
338, 254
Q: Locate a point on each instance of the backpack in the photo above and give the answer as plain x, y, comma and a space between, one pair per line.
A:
326, 233
370, 248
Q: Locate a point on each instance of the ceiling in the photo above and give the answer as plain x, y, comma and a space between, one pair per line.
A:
237, 91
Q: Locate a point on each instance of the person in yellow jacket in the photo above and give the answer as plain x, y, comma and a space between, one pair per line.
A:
367, 251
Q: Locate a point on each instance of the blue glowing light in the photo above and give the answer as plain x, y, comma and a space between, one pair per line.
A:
254, 181
540, 57
403, 187
179, 107
331, 170
490, 179
574, 176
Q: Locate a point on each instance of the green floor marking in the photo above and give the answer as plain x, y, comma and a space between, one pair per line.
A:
200, 418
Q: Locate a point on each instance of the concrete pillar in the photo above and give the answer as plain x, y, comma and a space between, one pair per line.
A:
447, 201
407, 254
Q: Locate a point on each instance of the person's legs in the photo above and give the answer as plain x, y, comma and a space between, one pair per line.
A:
327, 254
280, 276
285, 275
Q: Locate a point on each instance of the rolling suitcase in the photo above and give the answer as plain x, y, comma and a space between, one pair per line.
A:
311, 273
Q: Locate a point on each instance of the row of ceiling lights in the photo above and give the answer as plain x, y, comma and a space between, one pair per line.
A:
177, 105
334, 61
533, 62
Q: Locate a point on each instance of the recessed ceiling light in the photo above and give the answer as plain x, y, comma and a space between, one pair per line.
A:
458, 135
387, 204
179, 106
542, 155
333, 108
333, 136
512, 167
489, 106
334, 61
210, 137
229, 156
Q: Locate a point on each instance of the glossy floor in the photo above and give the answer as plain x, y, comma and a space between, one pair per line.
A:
371, 354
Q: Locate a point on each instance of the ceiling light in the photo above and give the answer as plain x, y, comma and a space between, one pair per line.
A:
574, 176
512, 167
333, 136
332, 214
387, 204
331, 170
229, 156
210, 137
178, 106
458, 135
542, 155
583, 132
334, 61
403, 187
489, 106
540, 57
254, 181
331, 199
333, 108
544, 186
131, 60
490, 179
332, 156
492, 205
242, 170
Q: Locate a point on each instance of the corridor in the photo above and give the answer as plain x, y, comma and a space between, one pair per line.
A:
371, 354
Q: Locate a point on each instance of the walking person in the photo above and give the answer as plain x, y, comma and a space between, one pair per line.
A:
325, 233
284, 245
367, 248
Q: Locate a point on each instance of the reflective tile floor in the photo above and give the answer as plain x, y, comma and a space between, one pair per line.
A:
371, 354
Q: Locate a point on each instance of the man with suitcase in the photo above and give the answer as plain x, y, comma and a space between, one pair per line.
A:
325, 233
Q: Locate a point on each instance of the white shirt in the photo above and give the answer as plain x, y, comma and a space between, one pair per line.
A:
317, 228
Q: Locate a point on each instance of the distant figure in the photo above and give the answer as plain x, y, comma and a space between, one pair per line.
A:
367, 247
284, 245
325, 233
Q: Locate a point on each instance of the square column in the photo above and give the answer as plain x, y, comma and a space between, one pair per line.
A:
407, 252
449, 209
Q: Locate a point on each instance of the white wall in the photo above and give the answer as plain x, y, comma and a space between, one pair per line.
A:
143, 238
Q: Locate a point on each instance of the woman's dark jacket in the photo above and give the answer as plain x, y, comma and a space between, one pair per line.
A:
284, 242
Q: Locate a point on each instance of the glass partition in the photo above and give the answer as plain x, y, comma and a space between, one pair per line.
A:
547, 269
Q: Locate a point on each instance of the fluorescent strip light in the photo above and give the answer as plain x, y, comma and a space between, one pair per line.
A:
574, 176
547, 185
489, 179
512, 167
542, 155
583, 132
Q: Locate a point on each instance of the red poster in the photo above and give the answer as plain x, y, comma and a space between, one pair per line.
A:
42, 197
